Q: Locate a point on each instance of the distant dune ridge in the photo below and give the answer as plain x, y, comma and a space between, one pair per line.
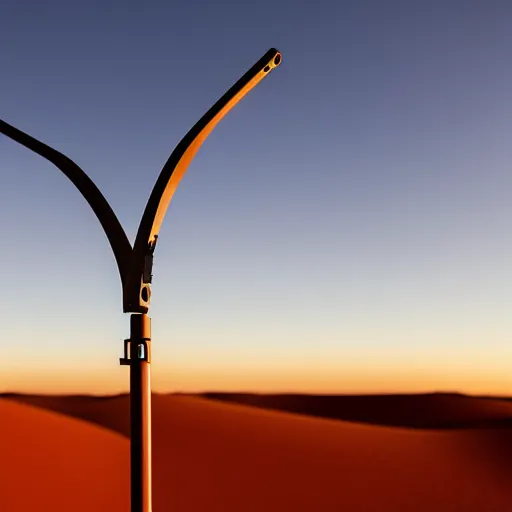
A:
72, 453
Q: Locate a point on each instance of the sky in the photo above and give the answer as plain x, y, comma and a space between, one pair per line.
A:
346, 228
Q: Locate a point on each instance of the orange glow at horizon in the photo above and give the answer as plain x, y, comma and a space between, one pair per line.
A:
273, 380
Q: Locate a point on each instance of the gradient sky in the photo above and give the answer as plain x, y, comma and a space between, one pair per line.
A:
346, 228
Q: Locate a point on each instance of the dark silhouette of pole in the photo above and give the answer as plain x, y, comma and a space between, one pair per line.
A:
135, 264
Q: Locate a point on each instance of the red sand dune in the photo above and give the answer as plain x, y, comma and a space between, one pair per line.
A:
223, 457
52, 462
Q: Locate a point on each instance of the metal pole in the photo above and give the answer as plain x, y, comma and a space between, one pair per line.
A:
135, 263
138, 357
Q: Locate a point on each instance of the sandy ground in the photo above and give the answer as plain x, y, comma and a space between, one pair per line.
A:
213, 456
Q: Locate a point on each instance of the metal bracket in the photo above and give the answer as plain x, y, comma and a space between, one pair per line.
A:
147, 275
142, 351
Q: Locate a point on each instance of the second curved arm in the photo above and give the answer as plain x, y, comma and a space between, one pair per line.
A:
177, 164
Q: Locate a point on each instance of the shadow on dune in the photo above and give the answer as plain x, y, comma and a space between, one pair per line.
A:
423, 411
111, 412
496, 451
415, 411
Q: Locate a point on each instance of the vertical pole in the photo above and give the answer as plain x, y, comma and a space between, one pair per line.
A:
140, 413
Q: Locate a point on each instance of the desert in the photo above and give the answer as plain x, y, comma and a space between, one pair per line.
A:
72, 453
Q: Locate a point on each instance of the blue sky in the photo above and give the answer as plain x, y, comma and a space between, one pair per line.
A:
346, 228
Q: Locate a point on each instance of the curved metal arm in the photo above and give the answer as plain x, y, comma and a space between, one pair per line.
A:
135, 264
175, 168
110, 223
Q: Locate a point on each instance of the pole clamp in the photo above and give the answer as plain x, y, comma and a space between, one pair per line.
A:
136, 349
